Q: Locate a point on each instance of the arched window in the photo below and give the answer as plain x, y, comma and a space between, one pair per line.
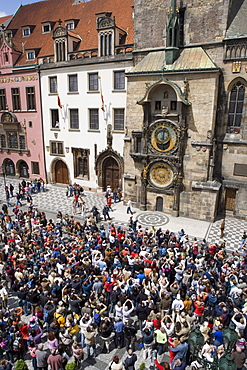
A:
236, 104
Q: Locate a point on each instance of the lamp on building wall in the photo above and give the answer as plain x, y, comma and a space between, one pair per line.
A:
67, 149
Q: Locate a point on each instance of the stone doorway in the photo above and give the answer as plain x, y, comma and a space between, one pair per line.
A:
111, 174
230, 198
159, 204
61, 172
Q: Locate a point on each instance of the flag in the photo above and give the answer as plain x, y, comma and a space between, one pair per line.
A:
102, 98
59, 102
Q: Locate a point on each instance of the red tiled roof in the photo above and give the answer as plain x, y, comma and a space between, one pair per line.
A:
4, 19
54, 10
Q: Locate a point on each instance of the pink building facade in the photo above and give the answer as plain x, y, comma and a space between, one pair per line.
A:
21, 136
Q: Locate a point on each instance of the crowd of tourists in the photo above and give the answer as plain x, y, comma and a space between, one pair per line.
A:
90, 287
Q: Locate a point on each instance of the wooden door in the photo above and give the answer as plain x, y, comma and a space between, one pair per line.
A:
61, 173
111, 174
24, 169
159, 204
230, 199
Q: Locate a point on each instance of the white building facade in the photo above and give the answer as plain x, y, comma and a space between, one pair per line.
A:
83, 109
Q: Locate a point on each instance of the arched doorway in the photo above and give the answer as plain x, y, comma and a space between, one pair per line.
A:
23, 169
111, 173
9, 167
159, 204
61, 172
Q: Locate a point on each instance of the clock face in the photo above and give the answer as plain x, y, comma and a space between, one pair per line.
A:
161, 175
163, 137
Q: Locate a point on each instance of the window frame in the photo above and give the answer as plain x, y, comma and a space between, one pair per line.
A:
52, 78
16, 99
30, 98
67, 25
91, 123
117, 81
72, 118
57, 145
33, 164
31, 52
235, 107
45, 25
26, 29
115, 112
53, 124
92, 83
3, 100
69, 83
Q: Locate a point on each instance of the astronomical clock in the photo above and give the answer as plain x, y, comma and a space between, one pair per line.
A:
163, 141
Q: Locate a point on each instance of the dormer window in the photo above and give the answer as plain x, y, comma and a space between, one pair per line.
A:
46, 28
70, 25
30, 55
26, 31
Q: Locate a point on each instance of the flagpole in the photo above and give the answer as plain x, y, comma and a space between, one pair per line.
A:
103, 105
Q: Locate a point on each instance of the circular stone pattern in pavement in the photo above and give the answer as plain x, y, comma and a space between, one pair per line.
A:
152, 218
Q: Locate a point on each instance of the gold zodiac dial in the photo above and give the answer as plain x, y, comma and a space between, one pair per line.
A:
161, 174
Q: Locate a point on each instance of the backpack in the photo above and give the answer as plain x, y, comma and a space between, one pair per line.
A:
16, 344
96, 317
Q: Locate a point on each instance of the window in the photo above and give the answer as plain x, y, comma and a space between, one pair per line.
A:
93, 82
93, 119
70, 26
2, 99
46, 28
138, 144
106, 44
30, 123
74, 119
54, 118
73, 83
12, 139
119, 119
53, 84
56, 147
81, 163
236, 107
35, 168
16, 98
158, 105
31, 104
26, 31
3, 141
30, 55
119, 80
173, 105
60, 50
22, 142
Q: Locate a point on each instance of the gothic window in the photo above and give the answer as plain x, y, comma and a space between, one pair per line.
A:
236, 104
30, 98
138, 146
2, 99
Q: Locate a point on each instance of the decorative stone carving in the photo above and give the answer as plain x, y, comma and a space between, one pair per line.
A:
60, 31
